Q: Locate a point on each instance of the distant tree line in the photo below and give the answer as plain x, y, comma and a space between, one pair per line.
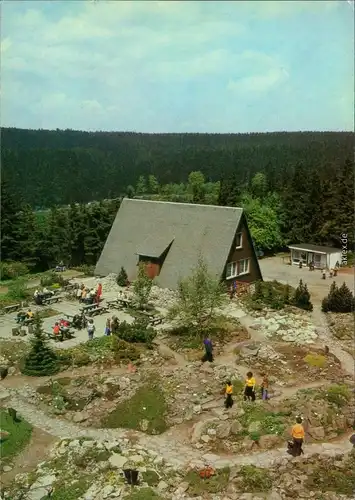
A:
294, 187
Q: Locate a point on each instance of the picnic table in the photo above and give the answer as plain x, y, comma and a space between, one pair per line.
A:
89, 307
96, 311
12, 308
64, 334
51, 300
124, 302
71, 286
155, 320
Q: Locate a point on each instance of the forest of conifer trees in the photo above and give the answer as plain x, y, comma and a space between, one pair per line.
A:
294, 186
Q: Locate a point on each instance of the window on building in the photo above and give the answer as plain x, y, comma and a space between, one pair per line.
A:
238, 240
243, 266
231, 271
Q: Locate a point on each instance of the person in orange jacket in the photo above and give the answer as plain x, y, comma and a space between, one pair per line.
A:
298, 435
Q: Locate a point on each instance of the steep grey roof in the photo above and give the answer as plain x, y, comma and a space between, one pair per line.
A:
154, 245
314, 248
195, 230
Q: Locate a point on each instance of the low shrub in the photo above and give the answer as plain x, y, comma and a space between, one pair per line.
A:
217, 483
338, 394
53, 279
271, 294
12, 270
124, 351
339, 300
254, 479
315, 360
137, 332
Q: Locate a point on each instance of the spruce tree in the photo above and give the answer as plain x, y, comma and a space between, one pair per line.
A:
41, 360
302, 297
122, 278
9, 222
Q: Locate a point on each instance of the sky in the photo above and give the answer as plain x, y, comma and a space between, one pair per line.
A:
167, 66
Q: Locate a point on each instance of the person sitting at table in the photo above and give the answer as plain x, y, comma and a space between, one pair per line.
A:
21, 316
29, 314
83, 294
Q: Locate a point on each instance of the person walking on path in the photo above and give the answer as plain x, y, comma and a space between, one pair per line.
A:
298, 434
249, 388
108, 327
228, 403
264, 387
208, 356
98, 293
91, 329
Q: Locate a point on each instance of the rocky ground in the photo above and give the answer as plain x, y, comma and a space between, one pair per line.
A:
196, 430
88, 469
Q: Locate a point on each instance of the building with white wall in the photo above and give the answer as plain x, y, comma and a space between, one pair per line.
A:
323, 257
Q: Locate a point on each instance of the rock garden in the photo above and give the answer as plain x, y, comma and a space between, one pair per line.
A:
142, 399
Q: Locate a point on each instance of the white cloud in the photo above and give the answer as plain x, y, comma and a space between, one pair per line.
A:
259, 83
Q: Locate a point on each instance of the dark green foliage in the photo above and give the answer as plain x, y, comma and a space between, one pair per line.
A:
293, 186
340, 300
122, 278
302, 297
41, 360
11, 270
138, 331
124, 351
51, 278
10, 222
271, 294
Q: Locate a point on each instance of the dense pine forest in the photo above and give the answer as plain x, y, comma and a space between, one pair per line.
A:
293, 186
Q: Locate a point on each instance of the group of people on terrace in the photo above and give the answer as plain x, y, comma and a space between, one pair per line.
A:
249, 391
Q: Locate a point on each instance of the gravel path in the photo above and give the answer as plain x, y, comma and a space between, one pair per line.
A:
164, 445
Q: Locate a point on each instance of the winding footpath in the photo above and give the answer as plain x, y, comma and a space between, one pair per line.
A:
165, 445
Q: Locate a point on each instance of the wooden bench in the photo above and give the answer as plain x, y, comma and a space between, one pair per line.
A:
28, 321
96, 311
51, 300
89, 307
124, 302
11, 309
70, 287
60, 337
113, 303
155, 321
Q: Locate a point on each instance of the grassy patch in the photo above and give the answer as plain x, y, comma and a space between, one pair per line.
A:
143, 494
14, 351
150, 477
91, 455
315, 360
72, 491
269, 422
254, 479
337, 394
215, 484
340, 481
20, 435
148, 405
